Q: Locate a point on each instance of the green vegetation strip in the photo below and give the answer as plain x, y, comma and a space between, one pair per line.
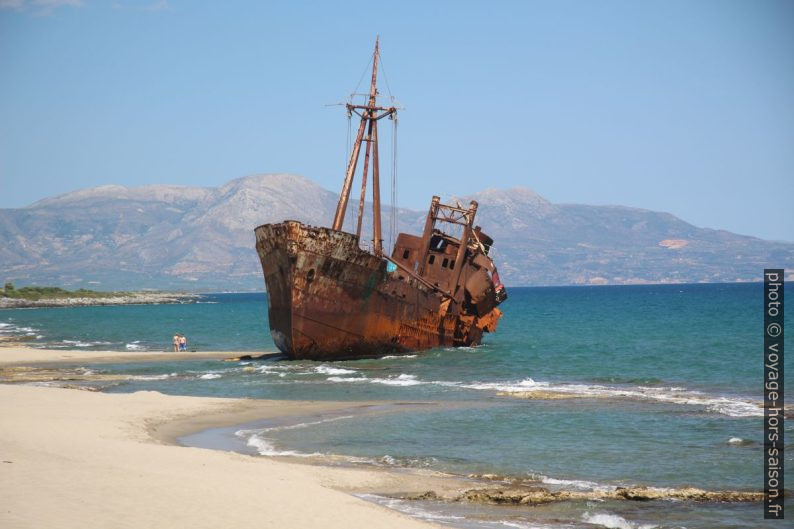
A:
37, 293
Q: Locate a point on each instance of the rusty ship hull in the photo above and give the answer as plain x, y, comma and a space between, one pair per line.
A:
330, 300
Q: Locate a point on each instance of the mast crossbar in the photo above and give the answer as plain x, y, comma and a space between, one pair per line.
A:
370, 114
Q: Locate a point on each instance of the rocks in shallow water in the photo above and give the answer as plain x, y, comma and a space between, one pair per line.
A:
541, 495
523, 496
686, 493
492, 477
27, 374
81, 388
247, 357
429, 495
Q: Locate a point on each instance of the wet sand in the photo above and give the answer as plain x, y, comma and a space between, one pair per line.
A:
15, 354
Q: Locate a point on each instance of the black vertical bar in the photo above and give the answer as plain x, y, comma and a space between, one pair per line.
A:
773, 394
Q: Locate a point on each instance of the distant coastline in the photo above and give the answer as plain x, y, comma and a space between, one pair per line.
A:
540, 243
120, 298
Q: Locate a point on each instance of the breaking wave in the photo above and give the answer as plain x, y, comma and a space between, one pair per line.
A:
70, 344
153, 377
400, 380
613, 521
518, 525
347, 379
13, 331
266, 446
408, 508
529, 388
328, 370
575, 484
406, 462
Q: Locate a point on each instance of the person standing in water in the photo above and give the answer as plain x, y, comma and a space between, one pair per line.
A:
176, 343
182, 342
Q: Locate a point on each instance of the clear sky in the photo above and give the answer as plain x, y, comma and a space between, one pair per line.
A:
678, 106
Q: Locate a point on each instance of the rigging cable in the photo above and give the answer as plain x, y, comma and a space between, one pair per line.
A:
364, 73
347, 157
350, 131
394, 206
386, 78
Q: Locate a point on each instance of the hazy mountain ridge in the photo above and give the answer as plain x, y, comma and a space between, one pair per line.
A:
189, 237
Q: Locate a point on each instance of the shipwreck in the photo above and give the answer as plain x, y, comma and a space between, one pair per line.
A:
332, 296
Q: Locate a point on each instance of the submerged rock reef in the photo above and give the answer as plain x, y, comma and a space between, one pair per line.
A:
530, 495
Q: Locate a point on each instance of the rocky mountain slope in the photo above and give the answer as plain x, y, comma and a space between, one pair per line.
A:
202, 238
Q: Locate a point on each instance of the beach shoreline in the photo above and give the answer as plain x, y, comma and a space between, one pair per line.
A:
64, 449
102, 437
18, 354
75, 458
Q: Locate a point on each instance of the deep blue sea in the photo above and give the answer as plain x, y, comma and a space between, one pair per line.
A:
581, 388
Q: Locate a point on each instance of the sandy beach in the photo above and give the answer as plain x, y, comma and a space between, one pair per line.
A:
13, 354
77, 458
80, 459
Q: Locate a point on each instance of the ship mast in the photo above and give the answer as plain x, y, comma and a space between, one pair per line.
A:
370, 114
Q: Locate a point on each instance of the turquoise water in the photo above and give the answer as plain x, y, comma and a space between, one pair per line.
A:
652, 385
219, 322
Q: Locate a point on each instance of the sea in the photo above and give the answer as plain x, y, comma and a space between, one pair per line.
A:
581, 388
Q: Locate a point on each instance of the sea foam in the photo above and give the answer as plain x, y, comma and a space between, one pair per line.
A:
733, 407
265, 446
576, 484
613, 521
79, 343
401, 380
152, 377
328, 370
409, 508
347, 379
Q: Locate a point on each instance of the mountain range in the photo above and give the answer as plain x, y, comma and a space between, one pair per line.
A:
197, 238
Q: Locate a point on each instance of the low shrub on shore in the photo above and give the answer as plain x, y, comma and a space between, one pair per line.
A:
37, 293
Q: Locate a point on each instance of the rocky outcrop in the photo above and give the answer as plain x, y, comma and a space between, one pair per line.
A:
686, 493
62, 376
138, 298
538, 495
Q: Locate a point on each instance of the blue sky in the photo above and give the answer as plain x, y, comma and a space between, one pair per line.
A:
678, 106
